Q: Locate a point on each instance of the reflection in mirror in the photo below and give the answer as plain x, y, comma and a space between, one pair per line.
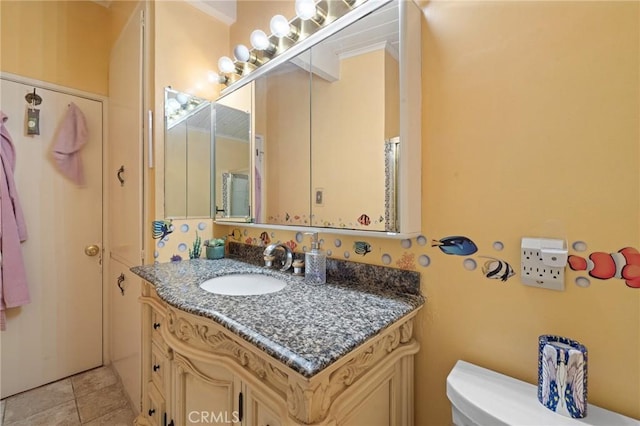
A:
188, 154
329, 120
355, 109
232, 143
282, 120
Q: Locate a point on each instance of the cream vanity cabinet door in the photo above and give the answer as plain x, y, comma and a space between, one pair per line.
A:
384, 397
203, 393
208, 393
260, 411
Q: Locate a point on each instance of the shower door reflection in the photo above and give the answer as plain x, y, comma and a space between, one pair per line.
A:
235, 194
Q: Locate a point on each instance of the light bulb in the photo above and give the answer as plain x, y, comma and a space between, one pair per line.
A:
280, 26
259, 40
214, 77
225, 64
172, 105
305, 9
241, 52
182, 98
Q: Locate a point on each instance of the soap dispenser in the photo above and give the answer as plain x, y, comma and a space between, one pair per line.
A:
315, 262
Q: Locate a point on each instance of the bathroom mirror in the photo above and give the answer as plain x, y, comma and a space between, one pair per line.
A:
232, 154
355, 110
188, 155
337, 119
338, 129
208, 156
283, 146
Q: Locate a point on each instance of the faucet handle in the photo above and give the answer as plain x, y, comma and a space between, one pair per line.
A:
288, 259
268, 260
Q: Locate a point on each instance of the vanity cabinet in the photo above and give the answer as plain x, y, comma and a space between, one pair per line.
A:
197, 372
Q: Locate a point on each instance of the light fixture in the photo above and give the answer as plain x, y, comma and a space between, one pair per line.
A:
266, 47
280, 27
307, 9
214, 77
172, 106
226, 65
243, 54
182, 98
260, 41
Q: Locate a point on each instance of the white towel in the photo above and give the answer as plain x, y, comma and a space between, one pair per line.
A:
72, 136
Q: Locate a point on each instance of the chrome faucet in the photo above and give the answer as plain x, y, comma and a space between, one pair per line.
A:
288, 260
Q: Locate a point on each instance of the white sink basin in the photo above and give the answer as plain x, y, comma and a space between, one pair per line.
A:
243, 284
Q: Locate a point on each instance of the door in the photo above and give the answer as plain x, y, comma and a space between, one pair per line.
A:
203, 393
60, 332
124, 183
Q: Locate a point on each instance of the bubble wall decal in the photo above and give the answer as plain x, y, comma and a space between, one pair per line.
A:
583, 282
469, 264
424, 260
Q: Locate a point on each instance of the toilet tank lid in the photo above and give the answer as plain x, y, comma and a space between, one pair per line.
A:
491, 398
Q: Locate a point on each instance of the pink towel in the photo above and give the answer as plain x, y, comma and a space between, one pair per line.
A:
72, 136
13, 230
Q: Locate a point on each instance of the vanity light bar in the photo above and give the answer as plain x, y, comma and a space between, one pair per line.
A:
312, 16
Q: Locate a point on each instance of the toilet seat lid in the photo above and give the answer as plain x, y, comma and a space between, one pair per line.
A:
490, 398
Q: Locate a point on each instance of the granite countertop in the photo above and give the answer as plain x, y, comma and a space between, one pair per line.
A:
307, 327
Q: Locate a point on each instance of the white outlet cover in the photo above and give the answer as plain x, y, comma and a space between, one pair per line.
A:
533, 271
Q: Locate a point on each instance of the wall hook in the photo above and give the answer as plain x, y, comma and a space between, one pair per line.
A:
33, 98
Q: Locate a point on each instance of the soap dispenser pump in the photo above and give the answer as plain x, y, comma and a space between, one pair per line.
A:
315, 261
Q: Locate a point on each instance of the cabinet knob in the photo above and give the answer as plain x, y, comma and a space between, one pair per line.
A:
156, 325
151, 411
156, 367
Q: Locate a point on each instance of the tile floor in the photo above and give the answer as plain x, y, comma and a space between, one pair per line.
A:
92, 398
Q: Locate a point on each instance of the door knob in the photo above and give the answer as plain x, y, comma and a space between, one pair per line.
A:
91, 250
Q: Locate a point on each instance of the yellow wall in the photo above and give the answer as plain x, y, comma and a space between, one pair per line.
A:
119, 13
531, 116
188, 44
530, 127
61, 42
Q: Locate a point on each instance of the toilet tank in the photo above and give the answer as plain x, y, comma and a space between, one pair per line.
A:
482, 397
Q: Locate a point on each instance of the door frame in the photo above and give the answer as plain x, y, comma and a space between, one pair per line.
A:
105, 219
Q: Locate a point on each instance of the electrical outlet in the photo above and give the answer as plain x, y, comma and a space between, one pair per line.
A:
543, 262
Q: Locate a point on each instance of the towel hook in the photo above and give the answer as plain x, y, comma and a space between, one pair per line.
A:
119, 175
33, 98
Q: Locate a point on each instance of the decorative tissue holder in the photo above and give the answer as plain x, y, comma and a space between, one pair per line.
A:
562, 375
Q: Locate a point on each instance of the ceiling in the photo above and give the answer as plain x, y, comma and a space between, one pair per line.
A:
224, 10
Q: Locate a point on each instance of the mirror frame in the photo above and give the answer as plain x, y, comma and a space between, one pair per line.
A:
409, 197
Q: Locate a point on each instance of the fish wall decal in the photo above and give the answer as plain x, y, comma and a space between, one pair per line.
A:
457, 245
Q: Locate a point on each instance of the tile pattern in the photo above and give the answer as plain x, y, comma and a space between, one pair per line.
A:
307, 327
95, 397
